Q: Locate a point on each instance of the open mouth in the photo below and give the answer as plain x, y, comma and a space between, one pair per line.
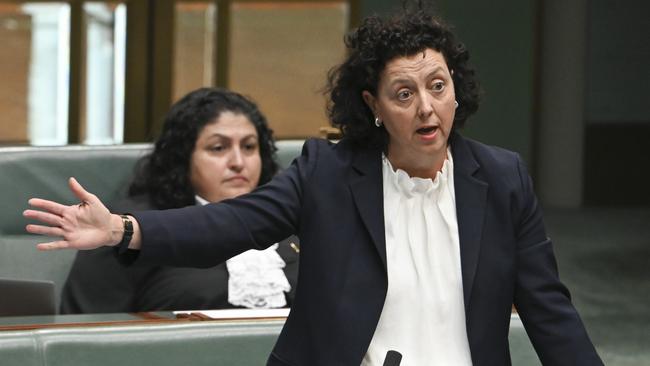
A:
427, 130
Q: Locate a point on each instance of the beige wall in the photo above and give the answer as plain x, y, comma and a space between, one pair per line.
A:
193, 51
280, 57
15, 34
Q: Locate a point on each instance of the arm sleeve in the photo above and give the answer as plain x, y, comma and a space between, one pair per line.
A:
203, 236
543, 302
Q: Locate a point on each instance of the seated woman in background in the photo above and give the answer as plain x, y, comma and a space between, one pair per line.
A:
215, 144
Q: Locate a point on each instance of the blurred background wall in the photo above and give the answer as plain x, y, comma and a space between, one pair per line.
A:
564, 83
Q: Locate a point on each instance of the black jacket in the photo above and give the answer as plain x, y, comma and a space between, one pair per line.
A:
99, 283
332, 198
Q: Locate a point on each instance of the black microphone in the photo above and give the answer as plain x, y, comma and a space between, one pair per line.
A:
393, 358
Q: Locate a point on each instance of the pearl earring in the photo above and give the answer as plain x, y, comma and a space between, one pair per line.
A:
455, 104
377, 122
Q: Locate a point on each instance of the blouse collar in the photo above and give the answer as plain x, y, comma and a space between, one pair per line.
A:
410, 186
200, 200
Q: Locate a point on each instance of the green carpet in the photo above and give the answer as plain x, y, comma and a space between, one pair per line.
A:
604, 259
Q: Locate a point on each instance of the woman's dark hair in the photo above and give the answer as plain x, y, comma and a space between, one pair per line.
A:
370, 47
164, 174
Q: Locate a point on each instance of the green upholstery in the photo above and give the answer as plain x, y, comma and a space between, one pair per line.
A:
522, 352
187, 343
20, 259
287, 151
18, 349
43, 172
27, 172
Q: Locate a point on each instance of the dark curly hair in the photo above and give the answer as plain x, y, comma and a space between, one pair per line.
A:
370, 47
163, 174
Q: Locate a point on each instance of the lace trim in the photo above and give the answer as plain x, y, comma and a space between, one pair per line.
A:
256, 279
411, 186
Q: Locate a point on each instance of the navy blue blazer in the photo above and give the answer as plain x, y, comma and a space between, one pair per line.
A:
332, 198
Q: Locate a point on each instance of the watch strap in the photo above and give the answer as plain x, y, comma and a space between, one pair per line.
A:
123, 245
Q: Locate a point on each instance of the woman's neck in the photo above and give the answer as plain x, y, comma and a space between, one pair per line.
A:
418, 166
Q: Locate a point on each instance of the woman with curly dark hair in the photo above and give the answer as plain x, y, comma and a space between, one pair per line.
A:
371, 47
414, 238
165, 174
215, 144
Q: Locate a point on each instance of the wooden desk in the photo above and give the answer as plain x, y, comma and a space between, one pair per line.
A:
13, 323
95, 320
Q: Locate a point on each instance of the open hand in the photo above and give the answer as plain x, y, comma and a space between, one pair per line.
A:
87, 225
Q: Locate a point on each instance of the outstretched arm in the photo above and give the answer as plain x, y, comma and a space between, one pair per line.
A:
87, 225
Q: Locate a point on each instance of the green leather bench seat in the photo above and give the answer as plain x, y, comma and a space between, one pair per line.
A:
522, 352
187, 343
20, 259
43, 172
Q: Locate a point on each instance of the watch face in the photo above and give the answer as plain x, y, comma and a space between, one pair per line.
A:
128, 225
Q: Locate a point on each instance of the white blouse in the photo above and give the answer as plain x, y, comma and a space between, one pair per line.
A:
255, 277
423, 317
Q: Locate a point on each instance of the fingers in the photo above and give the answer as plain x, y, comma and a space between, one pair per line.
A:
44, 230
43, 216
79, 191
54, 245
50, 206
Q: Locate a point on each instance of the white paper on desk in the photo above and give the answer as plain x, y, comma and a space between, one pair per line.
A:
240, 313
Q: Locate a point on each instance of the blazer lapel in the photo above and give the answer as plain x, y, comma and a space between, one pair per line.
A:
471, 200
367, 189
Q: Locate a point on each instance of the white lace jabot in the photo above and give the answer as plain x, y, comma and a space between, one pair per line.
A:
423, 316
255, 278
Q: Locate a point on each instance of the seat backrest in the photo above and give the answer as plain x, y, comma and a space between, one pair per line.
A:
192, 343
19, 259
43, 172
287, 151
196, 343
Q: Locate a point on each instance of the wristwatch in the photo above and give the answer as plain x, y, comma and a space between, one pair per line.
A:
128, 234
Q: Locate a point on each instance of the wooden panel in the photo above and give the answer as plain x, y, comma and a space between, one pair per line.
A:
280, 55
15, 32
194, 42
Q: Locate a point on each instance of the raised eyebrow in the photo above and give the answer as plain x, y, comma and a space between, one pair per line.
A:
435, 71
400, 81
